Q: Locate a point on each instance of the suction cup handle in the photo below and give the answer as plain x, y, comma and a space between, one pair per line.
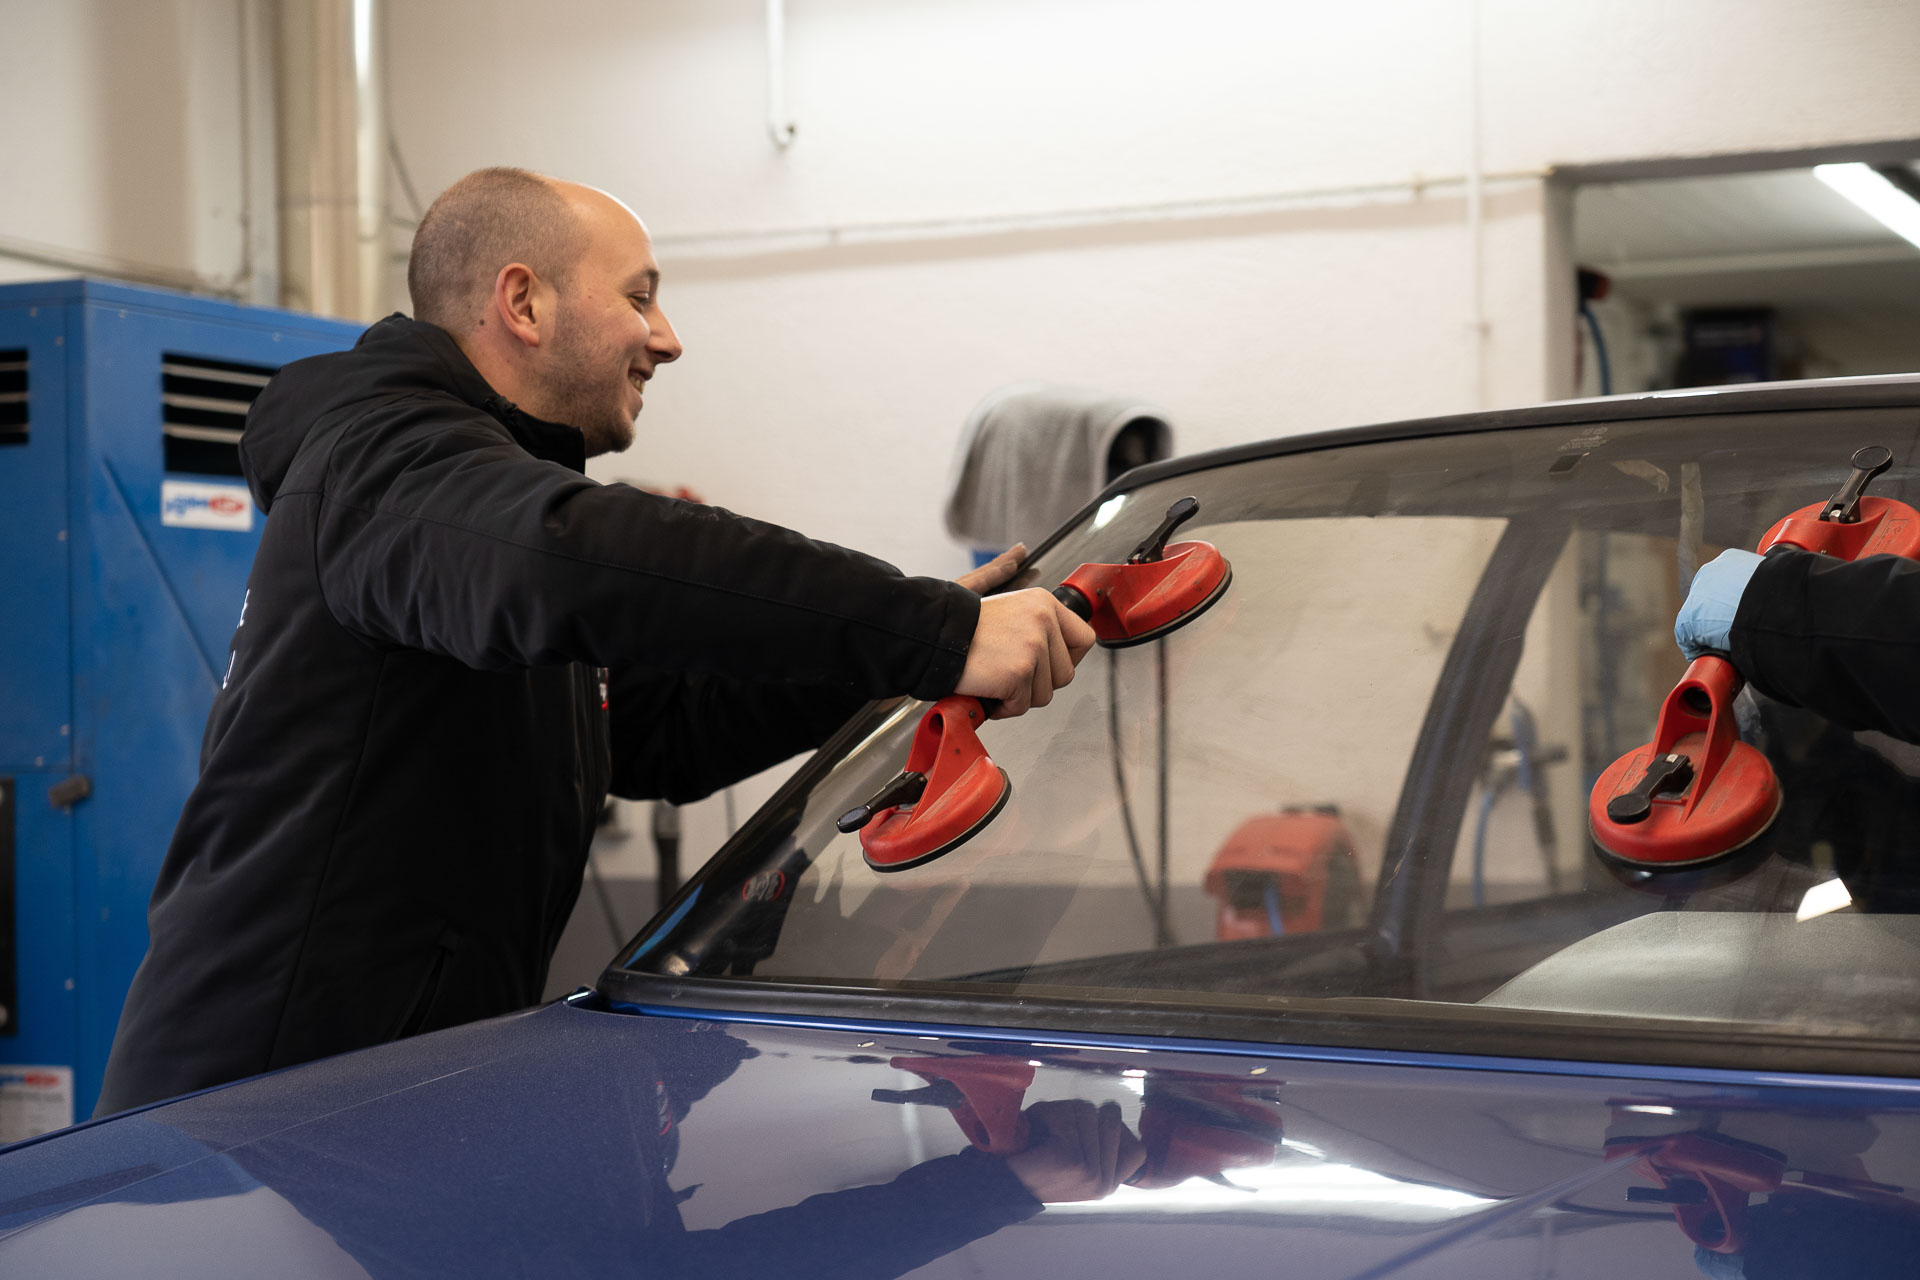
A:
1076, 602
1678, 1191
939, 1093
1844, 506
1155, 545
904, 788
1668, 775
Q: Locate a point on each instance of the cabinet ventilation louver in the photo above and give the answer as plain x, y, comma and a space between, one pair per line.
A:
203, 406
13, 396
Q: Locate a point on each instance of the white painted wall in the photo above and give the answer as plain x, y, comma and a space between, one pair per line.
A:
127, 127
1211, 206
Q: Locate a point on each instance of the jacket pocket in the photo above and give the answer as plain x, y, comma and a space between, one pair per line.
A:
429, 993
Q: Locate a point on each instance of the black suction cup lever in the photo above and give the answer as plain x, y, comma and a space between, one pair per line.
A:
903, 788
939, 1093
1155, 545
1667, 775
1844, 506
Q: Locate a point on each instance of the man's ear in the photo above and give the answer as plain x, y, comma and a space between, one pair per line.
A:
521, 303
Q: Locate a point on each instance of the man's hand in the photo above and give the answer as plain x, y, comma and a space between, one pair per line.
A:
1025, 646
996, 572
1705, 624
1078, 1152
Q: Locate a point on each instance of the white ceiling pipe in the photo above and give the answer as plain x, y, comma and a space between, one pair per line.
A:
779, 127
332, 158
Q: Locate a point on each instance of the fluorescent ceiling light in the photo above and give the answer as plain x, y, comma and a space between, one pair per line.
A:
1870, 190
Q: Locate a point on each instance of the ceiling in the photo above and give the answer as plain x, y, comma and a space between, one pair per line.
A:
1779, 237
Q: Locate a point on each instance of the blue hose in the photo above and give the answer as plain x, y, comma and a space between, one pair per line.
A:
1274, 921
1599, 349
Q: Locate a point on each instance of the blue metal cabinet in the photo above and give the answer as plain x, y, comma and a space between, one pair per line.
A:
125, 541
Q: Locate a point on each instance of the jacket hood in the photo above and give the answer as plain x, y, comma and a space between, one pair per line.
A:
397, 356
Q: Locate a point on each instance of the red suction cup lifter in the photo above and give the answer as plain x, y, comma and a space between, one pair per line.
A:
950, 789
1201, 1129
1159, 589
984, 1094
1696, 791
1850, 525
1706, 1179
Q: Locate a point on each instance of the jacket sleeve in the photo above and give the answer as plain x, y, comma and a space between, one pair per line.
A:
872, 1233
681, 738
436, 531
1838, 637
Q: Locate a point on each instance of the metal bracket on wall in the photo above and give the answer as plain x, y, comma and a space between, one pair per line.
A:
70, 791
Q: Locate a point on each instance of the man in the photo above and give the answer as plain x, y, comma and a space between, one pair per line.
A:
1834, 636
454, 644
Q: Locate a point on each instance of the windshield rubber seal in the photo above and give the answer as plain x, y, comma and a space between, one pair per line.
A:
1279, 1022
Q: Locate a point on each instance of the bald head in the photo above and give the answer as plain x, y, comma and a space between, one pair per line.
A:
551, 289
481, 223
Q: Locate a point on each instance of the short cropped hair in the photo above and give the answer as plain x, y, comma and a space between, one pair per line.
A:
477, 226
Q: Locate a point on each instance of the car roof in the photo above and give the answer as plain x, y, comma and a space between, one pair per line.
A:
1812, 394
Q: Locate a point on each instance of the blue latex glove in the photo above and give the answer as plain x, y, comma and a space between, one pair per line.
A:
1705, 624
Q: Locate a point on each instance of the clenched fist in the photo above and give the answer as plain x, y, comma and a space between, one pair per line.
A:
1078, 1151
1025, 646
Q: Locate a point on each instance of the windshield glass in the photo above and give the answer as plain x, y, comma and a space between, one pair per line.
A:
1360, 779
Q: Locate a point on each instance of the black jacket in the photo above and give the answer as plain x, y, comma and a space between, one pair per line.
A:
402, 771
1838, 637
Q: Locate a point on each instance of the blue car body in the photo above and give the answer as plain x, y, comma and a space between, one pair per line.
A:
1370, 1097
564, 1141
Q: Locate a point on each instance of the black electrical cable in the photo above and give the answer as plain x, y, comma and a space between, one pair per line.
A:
619, 934
406, 180
1165, 922
1120, 783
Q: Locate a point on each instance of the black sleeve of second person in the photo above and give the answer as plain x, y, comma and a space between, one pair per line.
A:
1838, 637
681, 738
870, 1233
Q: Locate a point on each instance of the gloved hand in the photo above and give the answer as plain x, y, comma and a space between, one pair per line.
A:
1705, 624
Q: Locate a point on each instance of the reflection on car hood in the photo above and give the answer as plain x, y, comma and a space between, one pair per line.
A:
569, 1141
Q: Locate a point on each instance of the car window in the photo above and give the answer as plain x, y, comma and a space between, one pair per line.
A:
1362, 775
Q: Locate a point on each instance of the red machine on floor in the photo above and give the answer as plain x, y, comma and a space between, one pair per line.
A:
1285, 872
1696, 792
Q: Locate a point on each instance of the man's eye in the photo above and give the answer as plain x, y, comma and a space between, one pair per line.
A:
642, 300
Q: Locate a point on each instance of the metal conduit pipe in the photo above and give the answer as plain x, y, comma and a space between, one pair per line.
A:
332, 158
779, 127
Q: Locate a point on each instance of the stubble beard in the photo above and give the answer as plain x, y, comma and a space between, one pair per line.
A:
577, 401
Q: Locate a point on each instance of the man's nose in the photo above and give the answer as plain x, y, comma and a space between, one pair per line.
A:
663, 342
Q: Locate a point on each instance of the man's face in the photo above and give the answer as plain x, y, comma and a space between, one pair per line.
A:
610, 334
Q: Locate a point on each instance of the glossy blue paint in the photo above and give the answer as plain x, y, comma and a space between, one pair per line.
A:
574, 1141
127, 626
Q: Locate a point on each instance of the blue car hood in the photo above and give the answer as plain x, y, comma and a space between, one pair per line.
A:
569, 1141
